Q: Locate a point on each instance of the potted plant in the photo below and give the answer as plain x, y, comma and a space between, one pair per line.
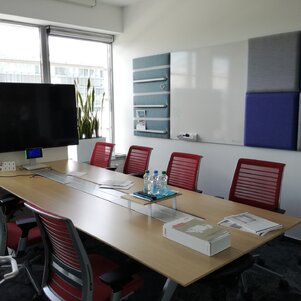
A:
88, 123
87, 118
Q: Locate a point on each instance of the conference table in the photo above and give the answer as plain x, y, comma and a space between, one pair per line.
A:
113, 221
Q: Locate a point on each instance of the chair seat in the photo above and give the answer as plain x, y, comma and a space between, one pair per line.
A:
14, 233
101, 265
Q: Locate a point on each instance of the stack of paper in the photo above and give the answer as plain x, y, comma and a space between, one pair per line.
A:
197, 234
113, 184
250, 223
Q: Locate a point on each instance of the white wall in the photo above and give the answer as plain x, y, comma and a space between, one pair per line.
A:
48, 12
160, 26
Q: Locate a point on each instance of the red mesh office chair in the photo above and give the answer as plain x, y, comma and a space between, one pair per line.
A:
183, 170
69, 273
257, 183
19, 235
137, 159
101, 155
16, 233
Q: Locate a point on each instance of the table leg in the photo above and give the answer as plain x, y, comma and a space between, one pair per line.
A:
168, 289
150, 212
174, 203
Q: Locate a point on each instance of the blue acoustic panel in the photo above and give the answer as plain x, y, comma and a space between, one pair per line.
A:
274, 63
271, 120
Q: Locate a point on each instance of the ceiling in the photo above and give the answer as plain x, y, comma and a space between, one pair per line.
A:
120, 2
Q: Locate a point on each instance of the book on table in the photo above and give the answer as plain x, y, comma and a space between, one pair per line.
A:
250, 223
153, 197
197, 234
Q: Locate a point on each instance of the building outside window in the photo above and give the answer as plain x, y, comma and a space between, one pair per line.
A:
17, 65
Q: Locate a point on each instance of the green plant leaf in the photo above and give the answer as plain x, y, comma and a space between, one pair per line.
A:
88, 120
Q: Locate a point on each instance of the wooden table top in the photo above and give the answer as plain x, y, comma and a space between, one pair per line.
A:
135, 234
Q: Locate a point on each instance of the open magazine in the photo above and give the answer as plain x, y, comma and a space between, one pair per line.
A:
250, 223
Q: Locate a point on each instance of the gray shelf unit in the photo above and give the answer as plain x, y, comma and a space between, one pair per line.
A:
151, 87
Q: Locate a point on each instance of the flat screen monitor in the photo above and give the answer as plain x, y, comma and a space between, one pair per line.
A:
37, 115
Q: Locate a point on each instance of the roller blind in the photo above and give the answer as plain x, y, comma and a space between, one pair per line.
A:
80, 34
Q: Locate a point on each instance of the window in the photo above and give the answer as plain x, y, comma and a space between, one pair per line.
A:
73, 55
16, 65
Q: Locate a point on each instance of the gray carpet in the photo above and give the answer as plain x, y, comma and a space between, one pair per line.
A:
282, 255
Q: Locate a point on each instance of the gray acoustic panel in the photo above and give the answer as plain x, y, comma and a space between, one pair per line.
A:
274, 63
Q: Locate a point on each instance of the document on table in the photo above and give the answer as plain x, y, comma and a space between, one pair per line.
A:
113, 184
250, 223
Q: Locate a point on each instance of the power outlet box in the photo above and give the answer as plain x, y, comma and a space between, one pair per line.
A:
188, 136
8, 166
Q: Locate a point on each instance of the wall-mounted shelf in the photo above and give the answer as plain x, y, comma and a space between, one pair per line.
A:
150, 106
151, 91
151, 131
150, 80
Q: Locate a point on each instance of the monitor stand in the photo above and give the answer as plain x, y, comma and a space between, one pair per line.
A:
33, 165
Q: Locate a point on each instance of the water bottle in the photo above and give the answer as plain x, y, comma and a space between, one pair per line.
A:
163, 183
146, 182
155, 183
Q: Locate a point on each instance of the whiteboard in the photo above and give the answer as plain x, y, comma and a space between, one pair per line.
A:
208, 87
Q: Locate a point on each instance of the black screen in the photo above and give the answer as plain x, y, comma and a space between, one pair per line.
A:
37, 115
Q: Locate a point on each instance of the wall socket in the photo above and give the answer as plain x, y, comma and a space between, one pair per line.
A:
188, 136
8, 166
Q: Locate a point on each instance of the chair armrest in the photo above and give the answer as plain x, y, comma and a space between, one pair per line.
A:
279, 210
25, 224
137, 174
116, 279
10, 204
8, 200
113, 168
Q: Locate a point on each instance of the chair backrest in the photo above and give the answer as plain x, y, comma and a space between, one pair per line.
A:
102, 153
183, 170
257, 183
137, 159
67, 271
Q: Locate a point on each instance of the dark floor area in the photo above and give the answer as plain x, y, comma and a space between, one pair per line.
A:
282, 255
